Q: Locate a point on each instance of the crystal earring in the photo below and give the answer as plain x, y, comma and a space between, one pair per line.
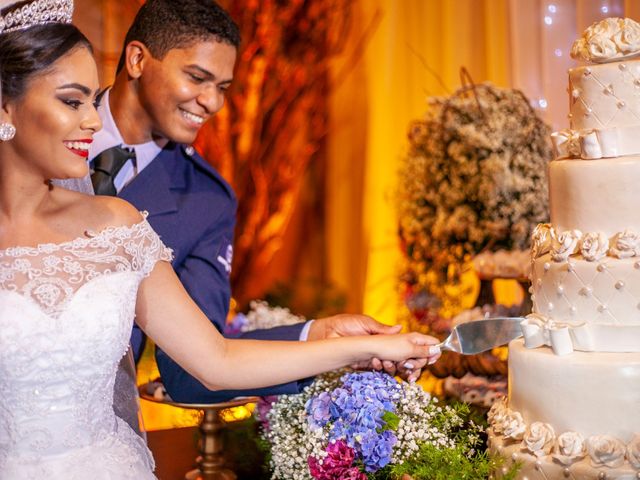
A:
7, 132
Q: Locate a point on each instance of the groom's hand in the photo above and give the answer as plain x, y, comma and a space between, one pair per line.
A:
346, 325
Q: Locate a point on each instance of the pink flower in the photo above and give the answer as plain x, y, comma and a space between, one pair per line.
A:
353, 473
263, 407
337, 465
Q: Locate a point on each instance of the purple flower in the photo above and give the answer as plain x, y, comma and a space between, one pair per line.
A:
318, 410
234, 328
263, 407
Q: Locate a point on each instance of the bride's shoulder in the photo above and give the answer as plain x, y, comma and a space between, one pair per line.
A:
105, 212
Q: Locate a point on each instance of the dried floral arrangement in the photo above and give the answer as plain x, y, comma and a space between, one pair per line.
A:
474, 180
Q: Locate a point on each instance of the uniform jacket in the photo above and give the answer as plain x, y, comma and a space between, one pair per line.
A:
193, 210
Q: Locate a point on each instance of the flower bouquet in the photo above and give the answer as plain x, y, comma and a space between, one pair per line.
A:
366, 425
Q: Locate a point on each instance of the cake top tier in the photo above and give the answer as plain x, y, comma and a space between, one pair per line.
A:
604, 110
609, 40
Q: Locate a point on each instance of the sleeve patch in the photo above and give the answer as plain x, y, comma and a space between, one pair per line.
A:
225, 256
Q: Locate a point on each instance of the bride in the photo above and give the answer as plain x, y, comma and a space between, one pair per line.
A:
75, 270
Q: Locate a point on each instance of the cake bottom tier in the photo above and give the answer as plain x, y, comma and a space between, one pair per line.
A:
574, 416
532, 467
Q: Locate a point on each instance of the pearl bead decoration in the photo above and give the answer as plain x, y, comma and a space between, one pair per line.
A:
585, 291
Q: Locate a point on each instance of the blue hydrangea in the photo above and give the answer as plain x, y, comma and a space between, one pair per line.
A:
376, 449
234, 328
318, 410
355, 413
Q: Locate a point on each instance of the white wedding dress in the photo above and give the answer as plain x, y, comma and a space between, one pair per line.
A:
66, 312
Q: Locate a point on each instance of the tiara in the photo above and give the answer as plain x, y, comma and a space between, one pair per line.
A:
37, 12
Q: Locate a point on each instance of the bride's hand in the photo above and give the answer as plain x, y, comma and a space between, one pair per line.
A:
401, 347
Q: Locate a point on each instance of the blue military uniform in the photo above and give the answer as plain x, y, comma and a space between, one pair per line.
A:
193, 210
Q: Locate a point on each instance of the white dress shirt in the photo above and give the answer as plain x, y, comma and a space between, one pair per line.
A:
110, 136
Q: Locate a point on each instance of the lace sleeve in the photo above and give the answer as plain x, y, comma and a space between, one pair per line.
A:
149, 249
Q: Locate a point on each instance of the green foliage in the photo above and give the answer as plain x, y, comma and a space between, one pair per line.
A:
468, 460
432, 463
391, 421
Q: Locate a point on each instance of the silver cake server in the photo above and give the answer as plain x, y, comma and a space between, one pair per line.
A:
481, 335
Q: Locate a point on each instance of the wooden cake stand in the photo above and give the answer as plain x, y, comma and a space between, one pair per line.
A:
210, 462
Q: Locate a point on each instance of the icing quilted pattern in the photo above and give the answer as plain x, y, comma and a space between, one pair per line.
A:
578, 291
604, 96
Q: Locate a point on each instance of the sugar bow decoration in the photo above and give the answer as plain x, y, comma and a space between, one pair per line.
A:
596, 143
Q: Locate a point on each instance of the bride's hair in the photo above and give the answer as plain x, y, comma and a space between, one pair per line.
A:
27, 53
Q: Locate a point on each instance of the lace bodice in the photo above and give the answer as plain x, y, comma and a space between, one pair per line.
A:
66, 313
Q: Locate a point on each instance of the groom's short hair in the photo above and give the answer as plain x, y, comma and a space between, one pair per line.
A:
162, 25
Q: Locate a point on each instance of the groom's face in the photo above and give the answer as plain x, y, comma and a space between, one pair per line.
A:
185, 88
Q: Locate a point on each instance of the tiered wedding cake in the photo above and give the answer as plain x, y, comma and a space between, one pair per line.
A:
573, 409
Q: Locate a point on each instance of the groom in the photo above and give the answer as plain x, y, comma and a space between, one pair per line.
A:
176, 66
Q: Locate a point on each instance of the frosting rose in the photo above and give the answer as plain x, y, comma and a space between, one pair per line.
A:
564, 244
628, 38
570, 448
594, 246
601, 49
608, 40
538, 438
607, 27
625, 244
513, 426
499, 405
578, 50
541, 240
633, 452
606, 450
497, 415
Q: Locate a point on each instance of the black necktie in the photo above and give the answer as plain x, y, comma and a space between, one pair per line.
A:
106, 166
